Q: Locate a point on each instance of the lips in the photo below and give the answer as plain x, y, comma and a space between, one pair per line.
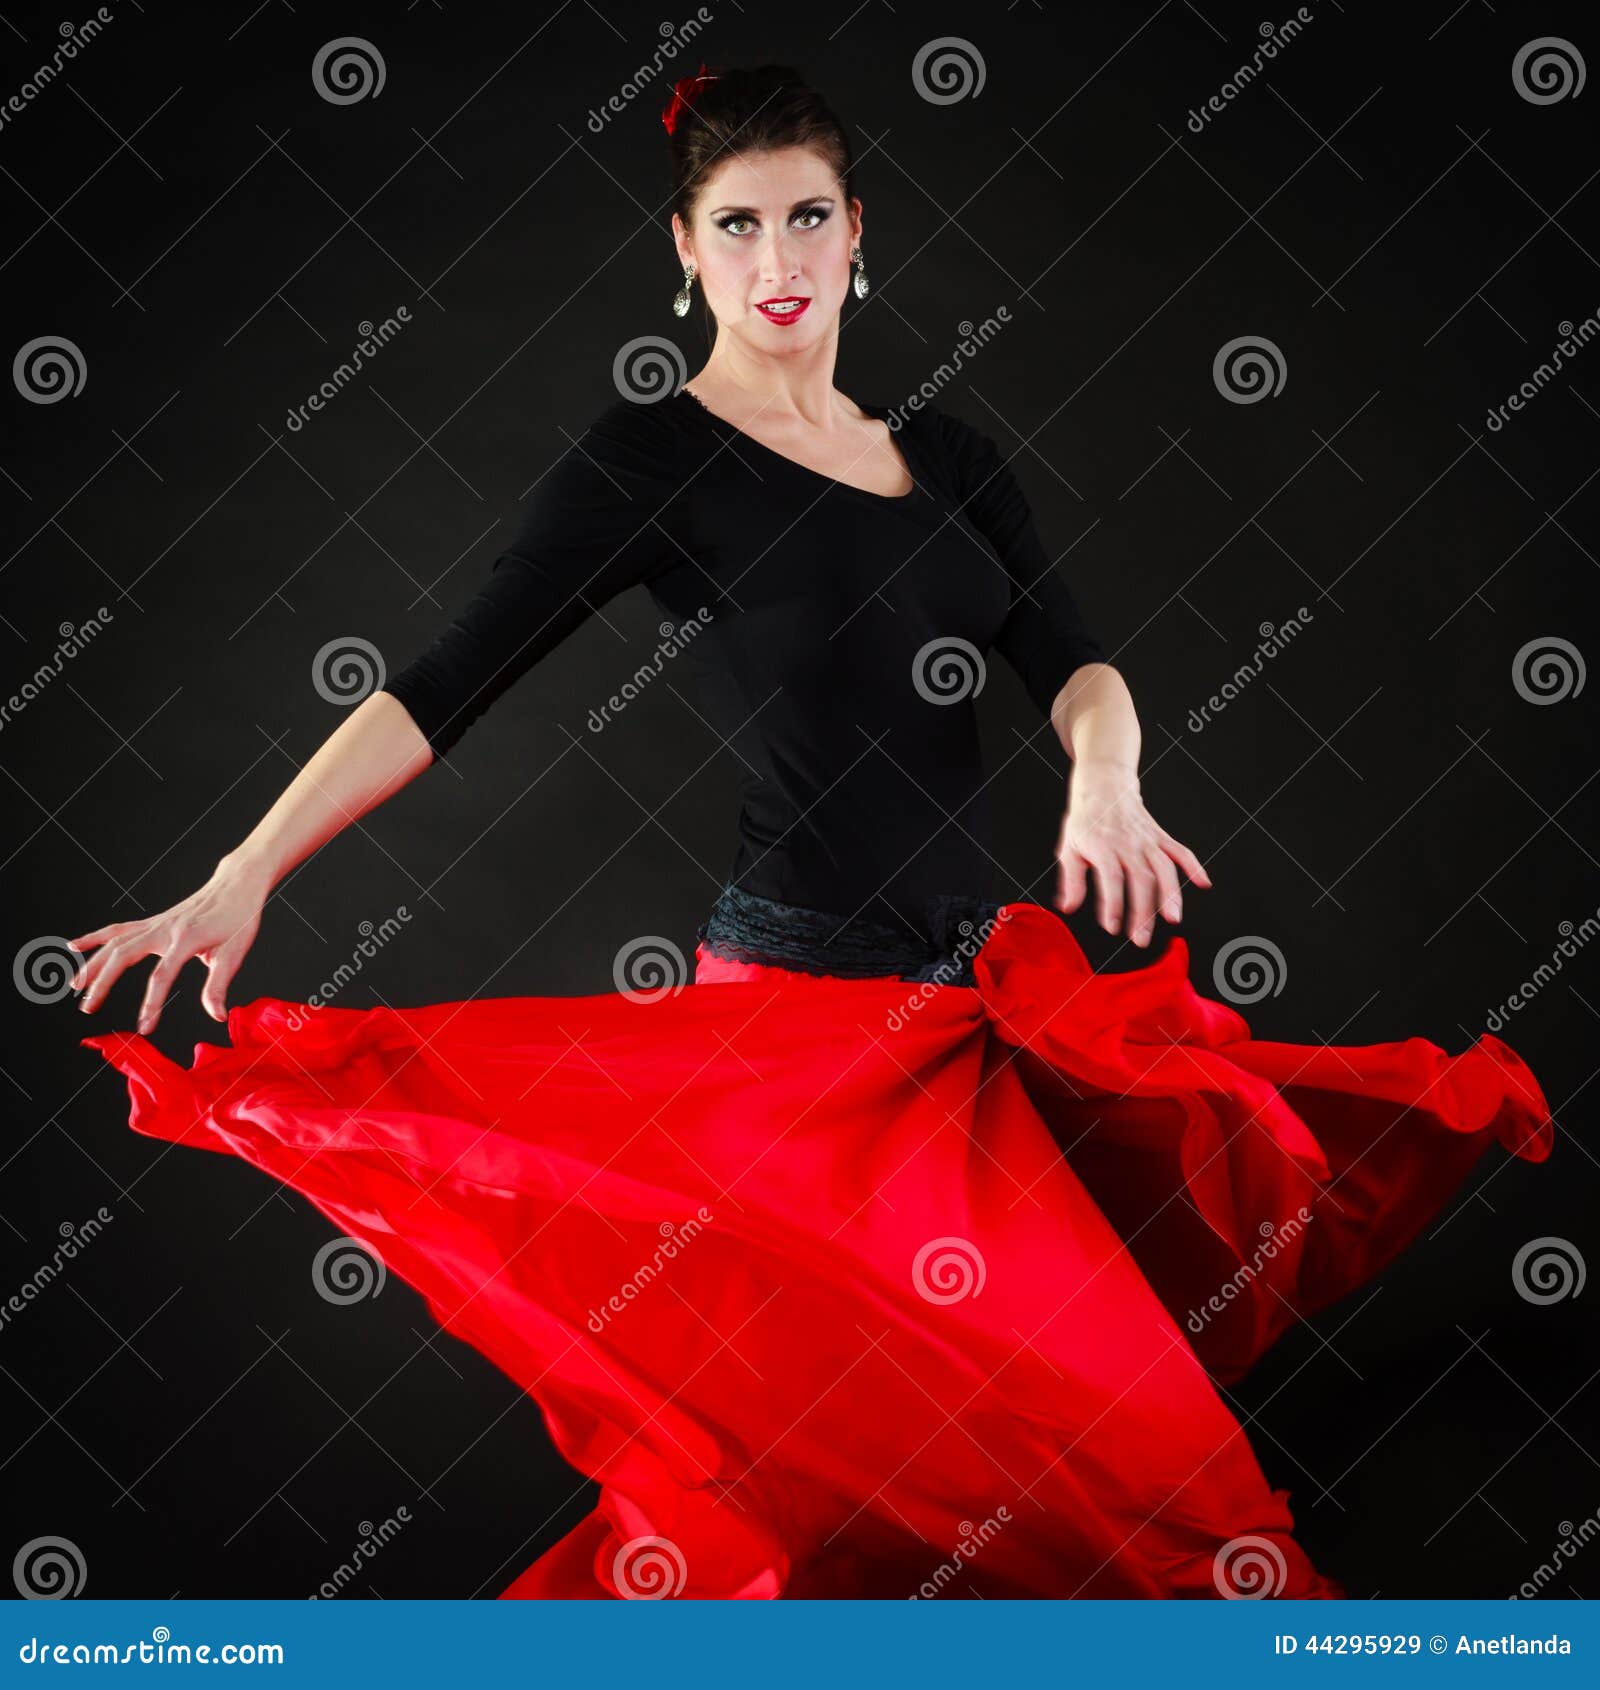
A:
787, 308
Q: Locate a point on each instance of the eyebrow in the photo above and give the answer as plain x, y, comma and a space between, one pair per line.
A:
750, 211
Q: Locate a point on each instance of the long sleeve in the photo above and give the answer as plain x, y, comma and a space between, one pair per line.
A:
598, 521
1044, 636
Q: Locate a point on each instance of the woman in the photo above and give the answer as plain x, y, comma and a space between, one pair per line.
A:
902, 1265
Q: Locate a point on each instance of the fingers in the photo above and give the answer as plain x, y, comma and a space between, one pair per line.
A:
102, 972
1108, 879
159, 983
1171, 899
1141, 883
1185, 859
1072, 881
223, 965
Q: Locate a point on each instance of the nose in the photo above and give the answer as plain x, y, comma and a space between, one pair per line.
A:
779, 265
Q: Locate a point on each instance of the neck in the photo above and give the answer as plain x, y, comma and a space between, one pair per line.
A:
798, 388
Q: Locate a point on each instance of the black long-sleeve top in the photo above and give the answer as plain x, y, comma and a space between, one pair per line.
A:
837, 637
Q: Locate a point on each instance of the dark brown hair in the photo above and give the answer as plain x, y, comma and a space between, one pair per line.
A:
744, 109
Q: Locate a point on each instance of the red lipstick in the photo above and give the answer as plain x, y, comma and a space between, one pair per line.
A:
797, 308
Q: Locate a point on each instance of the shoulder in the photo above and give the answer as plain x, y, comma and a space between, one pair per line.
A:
968, 455
640, 424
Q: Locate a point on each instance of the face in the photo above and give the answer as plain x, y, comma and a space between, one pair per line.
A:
772, 226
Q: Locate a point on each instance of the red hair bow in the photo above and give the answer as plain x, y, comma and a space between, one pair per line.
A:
683, 97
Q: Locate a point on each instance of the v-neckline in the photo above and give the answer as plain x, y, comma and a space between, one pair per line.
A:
901, 500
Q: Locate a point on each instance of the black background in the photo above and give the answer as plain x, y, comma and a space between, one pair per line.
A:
1380, 802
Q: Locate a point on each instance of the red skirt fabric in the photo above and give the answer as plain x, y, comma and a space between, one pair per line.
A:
863, 1288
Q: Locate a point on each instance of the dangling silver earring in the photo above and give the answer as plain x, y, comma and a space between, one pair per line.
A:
860, 282
681, 299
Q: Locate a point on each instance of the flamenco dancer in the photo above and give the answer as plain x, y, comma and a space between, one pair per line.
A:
905, 1262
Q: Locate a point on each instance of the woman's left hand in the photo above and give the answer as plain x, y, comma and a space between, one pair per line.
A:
1135, 861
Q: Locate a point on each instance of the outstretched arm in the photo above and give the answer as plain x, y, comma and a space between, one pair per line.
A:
1106, 826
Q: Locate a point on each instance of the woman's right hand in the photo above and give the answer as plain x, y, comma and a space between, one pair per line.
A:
217, 923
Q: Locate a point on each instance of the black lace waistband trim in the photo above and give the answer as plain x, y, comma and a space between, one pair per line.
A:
746, 927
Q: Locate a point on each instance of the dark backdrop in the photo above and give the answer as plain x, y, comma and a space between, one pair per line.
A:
1401, 801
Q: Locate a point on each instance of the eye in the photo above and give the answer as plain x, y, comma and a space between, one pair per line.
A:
728, 223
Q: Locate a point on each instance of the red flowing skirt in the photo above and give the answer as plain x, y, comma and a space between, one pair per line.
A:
861, 1287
